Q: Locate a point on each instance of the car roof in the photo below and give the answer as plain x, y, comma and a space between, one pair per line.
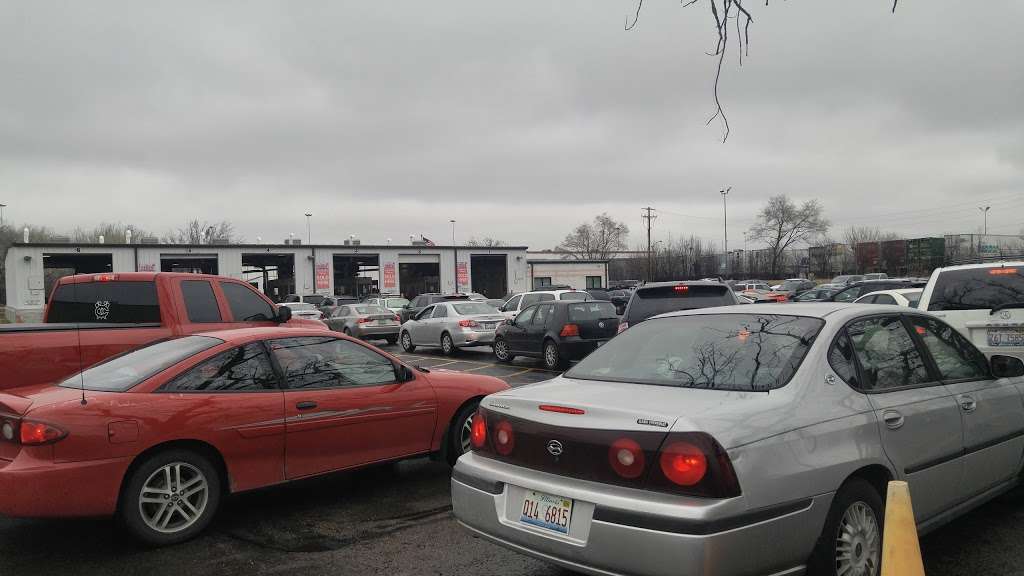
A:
983, 265
833, 311
687, 283
242, 335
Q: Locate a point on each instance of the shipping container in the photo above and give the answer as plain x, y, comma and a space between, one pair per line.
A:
894, 257
866, 257
925, 255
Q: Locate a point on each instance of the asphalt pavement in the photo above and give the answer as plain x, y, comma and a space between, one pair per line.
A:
396, 520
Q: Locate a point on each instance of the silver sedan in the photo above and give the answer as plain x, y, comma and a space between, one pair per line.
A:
735, 441
451, 325
365, 321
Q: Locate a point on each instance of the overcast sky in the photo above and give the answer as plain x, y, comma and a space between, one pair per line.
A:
517, 119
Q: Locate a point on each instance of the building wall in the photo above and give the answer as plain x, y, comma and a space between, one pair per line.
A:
24, 278
568, 272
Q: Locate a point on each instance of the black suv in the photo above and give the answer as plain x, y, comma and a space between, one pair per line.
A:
423, 300
858, 289
661, 297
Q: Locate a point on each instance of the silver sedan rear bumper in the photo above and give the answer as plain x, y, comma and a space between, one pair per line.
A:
619, 531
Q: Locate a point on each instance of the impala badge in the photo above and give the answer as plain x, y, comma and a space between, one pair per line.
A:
555, 448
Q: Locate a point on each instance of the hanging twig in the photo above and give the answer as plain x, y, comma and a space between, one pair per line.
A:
636, 18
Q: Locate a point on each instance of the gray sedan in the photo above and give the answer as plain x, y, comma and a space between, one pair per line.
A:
730, 441
452, 325
365, 321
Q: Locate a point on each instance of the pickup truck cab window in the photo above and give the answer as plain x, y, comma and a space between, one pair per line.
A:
200, 302
246, 305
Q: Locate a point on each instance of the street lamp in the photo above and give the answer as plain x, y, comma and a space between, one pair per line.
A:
984, 210
309, 234
725, 226
2, 206
453, 231
455, 255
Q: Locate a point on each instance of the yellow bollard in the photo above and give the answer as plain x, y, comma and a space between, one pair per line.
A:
901, 552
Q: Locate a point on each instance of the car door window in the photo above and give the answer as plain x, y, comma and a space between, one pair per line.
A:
340, 311
884, 299
326, 362
243, 369
887, 354
955, 357
543, 315
513, 303
425, 313
840, 357
525, 316
200, 303
529, 299
245, 304
440, 311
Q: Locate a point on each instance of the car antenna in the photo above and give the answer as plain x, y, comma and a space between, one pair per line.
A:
78, 334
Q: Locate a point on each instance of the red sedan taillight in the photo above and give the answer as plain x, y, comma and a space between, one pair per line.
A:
504, 438
30, 432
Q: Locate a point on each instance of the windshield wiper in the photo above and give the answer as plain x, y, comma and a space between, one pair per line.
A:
1006, 305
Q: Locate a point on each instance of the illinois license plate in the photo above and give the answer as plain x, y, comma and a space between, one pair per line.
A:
547, 511
1006, 337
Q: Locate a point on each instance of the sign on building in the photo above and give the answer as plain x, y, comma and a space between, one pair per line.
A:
389, 275
323, 276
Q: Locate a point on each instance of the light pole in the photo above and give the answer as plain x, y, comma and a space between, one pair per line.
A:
456, 257
984, 210
309, 233
725, 226
2, 206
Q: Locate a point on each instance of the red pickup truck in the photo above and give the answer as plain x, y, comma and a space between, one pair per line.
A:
91, 317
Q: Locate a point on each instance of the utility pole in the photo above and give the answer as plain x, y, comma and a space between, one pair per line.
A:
725, 226
649, 218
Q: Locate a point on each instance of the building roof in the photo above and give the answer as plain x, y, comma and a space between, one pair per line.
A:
264, 246
567, 261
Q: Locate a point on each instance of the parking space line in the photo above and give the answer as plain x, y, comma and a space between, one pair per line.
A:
518, 373
484, 367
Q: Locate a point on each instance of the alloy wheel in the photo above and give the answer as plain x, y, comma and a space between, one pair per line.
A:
501, 349
446, 344
465, 433
174, 497
551, 356
406, 341
858, 542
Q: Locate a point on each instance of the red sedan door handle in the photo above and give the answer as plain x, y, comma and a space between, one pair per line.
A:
306, 405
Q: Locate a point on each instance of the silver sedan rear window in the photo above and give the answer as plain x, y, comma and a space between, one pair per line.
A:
749, 352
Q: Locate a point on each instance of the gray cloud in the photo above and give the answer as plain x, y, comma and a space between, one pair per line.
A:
518, 119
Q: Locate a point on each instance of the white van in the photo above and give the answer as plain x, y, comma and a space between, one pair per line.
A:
513, 305
985, 302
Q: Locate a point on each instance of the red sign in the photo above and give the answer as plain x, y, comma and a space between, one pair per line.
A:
323, 276
389, 275
462, 274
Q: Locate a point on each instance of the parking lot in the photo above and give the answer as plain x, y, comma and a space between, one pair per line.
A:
396, 519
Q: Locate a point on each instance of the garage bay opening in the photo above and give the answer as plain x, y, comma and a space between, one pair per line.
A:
489, 274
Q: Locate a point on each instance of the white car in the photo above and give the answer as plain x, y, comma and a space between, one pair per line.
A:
908, 297
985, 302
518, 302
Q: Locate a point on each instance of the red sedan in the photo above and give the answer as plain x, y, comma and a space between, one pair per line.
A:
158, 435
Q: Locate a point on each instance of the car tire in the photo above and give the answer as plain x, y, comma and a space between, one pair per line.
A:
185, 512
853, 528
391, 340
346, 332
501, 351
458, 435
407, 344
448, 347
551, 357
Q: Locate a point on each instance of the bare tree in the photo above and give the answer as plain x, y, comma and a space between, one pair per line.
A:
860, 234
112, 232
727, 14
197, 231
486, 242
782, 224
595, 240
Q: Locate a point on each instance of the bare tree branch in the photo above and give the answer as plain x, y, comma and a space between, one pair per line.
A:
636, 18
